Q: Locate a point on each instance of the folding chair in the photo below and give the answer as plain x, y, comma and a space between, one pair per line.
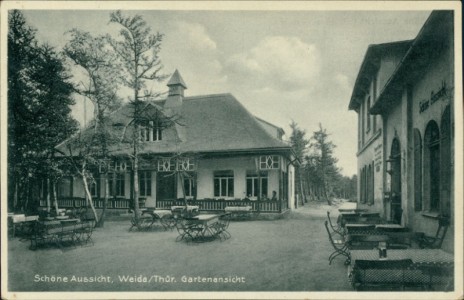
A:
339, 245
338, 229
436, 241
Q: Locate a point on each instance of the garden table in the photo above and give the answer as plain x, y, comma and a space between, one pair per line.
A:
359, 228
204, 226
428, 267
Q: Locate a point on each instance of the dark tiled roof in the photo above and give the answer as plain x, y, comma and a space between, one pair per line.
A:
210, 123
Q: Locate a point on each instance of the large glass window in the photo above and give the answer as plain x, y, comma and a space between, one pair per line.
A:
145, 183
117, 184
95, 185
65, 187
256, 185
224, 183
190, 188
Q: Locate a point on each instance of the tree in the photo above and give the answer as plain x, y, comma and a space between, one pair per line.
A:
325, 162
299, 143
39, 99
98, 61
138, 51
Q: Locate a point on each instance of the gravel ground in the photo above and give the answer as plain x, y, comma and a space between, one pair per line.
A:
289, 254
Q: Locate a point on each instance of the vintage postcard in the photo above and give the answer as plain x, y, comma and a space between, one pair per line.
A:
231, 150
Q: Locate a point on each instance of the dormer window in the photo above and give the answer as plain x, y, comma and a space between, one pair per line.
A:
151, 133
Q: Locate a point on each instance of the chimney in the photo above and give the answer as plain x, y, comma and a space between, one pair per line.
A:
176, 91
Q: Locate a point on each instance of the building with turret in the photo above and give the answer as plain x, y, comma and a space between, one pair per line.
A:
215, 153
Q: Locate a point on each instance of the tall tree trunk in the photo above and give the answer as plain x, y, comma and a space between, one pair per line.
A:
48, 195
87, 191
55, 197
181, 179
105, 201
136, 187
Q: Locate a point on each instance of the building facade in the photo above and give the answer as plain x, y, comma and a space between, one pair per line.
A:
413, 152
215, 153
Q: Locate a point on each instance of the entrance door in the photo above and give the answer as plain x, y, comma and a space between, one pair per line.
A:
395, 157
165, 186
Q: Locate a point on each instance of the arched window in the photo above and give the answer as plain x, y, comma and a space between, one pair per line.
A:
432, 166
417, 170
445, 162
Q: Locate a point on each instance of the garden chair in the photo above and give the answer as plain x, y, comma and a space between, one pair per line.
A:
435, 242
84, 231
338, 229
338, 244
221, 227
187, 231
382, 275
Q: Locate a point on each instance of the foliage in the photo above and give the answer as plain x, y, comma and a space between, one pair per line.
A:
299, 144
99, 63
138, 50
39, 99
319, 176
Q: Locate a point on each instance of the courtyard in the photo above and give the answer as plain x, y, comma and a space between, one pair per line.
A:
288, 254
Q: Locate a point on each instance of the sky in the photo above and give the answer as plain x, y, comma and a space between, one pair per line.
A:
281, 65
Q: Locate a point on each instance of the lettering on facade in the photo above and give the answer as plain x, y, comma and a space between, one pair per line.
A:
378, 157
434, 96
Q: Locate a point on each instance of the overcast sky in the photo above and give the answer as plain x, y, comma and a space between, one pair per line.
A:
281, 65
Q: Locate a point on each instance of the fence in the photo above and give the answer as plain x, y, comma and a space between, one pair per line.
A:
272, 206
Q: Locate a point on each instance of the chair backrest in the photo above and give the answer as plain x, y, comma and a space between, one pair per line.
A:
443, 224
331, 238
330, 221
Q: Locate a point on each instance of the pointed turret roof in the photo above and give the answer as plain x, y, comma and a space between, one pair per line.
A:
176, 79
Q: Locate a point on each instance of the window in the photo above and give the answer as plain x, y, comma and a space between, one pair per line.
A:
145, 183
95, 186
117, 184
370, 199
166, 165
256, 186
417, 171
224, 183
190, 188
446, 162
361, 116
120, 166
185, 164
432, 165
65, 187
150, 133
269, 162
368, 116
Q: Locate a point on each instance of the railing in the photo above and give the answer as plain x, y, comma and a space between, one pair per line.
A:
219, 205
264, 206
118, 203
